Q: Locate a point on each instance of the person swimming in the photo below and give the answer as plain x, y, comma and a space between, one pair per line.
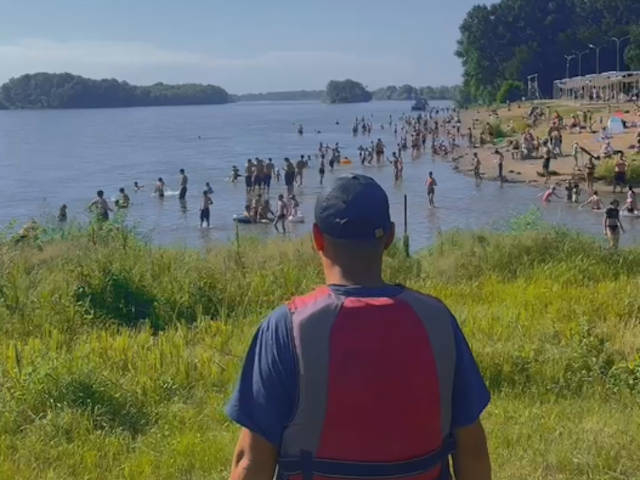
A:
137, 187
551, 192
160, 186
124, 200
594, 202
235, 174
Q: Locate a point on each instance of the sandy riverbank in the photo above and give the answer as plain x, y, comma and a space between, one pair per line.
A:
526, 171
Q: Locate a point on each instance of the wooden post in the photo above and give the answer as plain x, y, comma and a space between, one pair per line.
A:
405, 238
237, 239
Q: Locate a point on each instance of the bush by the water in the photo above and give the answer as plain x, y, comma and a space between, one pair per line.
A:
116, 357
511, 91
606, 169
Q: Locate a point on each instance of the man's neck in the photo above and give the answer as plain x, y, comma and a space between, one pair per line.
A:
337, 276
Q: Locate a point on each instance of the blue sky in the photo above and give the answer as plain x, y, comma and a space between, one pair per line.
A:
244, 46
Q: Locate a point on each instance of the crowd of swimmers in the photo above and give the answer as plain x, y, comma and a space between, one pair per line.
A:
101, 209
441, 128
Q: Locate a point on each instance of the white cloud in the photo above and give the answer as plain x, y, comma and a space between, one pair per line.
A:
145, 63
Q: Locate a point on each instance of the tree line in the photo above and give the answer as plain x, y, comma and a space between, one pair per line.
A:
290, 95
409, 92
64, 90
511, 39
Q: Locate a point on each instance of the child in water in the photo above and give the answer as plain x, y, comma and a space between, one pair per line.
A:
235, 174
576, 193
293, 206
159, 190
546, 196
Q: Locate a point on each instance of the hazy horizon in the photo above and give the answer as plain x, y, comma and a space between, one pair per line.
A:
248, 47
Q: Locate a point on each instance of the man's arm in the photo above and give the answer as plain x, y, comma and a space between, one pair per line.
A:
471, 458
254, 459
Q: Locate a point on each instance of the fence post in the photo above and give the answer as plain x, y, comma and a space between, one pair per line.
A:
237, 239
405, 238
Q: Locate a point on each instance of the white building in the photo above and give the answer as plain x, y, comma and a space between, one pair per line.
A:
602, 87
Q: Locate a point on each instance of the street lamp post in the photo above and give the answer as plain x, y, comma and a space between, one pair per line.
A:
580, 54
618, 40
597, 49
569, 58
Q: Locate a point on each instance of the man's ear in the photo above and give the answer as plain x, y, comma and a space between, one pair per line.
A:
318, 238
390, 236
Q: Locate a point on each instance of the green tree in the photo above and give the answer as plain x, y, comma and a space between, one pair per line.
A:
632, 54
512, 39
64, 90
347, 91
510, 91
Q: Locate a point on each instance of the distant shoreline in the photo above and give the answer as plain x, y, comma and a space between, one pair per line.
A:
231, 102
64, 91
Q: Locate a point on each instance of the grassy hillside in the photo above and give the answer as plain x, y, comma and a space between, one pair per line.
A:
116, 357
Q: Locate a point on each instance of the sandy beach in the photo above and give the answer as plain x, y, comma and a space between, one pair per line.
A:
527, 171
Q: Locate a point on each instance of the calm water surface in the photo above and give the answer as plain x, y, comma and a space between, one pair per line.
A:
52, 157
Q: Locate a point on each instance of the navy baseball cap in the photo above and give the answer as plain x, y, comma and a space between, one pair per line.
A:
356, 208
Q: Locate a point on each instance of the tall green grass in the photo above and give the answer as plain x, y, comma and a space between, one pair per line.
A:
606, 170
116, 357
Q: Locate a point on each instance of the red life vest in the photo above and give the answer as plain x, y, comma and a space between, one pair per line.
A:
375, 388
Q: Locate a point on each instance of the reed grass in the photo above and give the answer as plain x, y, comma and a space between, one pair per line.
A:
117, 357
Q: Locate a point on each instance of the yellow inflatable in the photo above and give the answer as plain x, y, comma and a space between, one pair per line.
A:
346, 161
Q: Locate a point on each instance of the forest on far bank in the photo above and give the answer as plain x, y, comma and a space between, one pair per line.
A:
65, 90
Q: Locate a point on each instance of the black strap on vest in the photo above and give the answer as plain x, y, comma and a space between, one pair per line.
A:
308, 466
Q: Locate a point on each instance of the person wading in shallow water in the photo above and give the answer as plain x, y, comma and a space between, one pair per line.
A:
612, 225
332, 376
100, 207
431, 189
183, 185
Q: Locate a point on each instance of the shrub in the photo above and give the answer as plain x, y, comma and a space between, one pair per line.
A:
606, 168
116, 357
511, 91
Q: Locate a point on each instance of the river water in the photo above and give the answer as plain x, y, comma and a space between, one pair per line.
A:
63, 156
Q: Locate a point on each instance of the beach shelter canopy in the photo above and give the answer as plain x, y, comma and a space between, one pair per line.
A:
615, 126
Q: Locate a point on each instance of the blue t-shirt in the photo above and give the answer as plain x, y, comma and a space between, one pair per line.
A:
266, 396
